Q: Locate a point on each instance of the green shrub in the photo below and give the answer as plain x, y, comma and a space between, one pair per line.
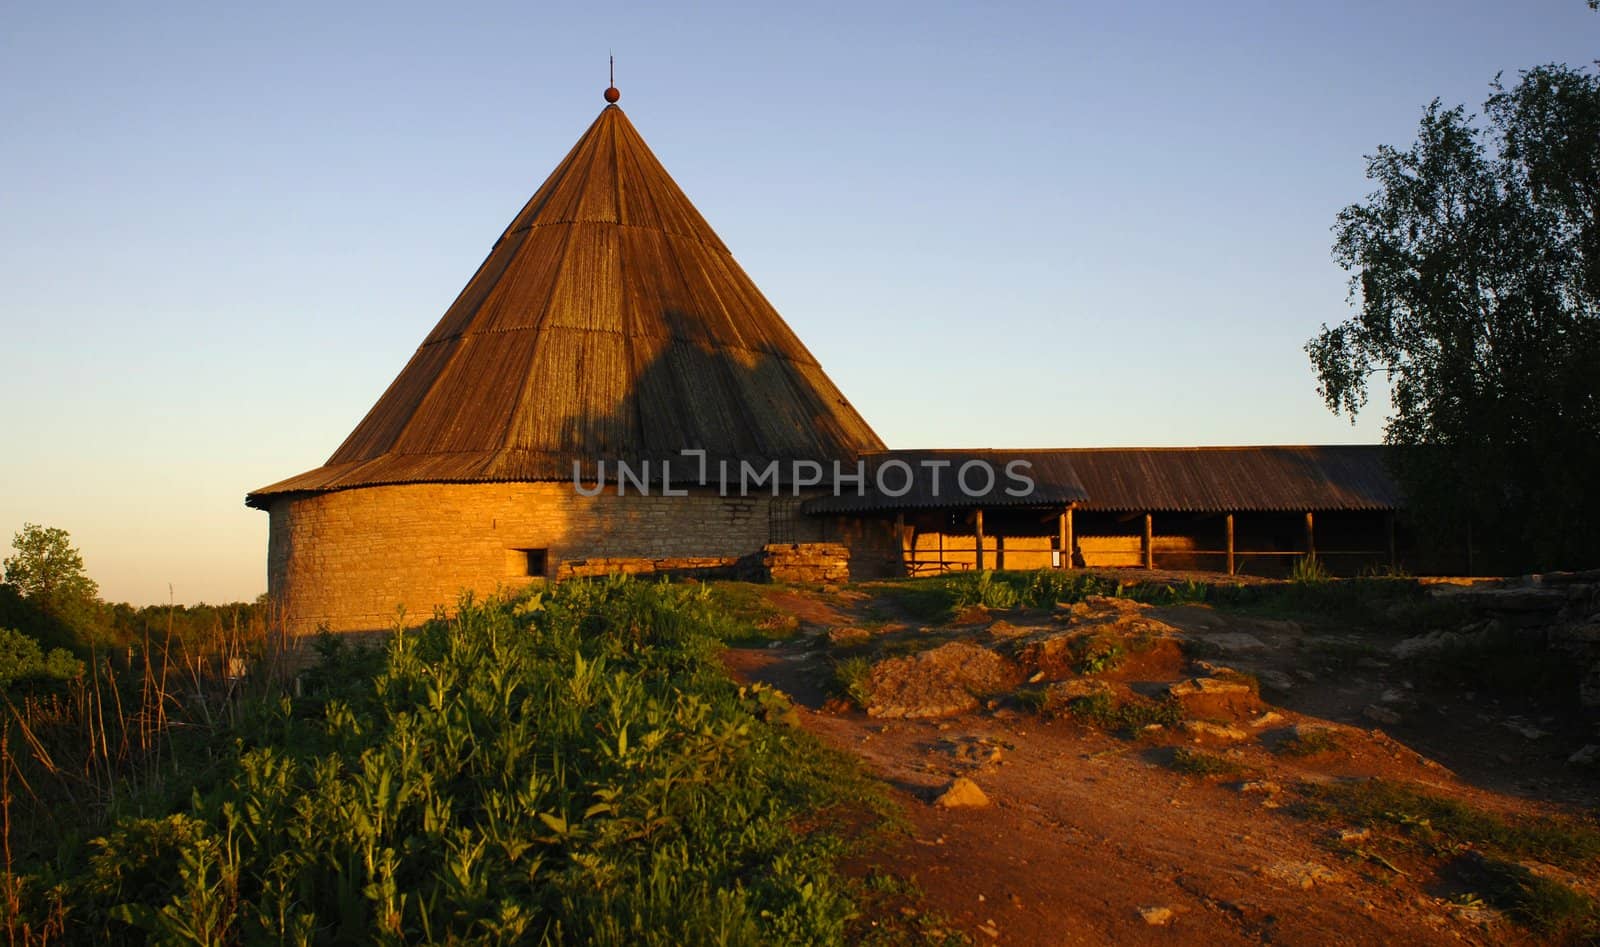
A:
23, 661
1547, 906
1308, 570
1569, 843
1126, 716
1309, 743
851, 679
1199, 763
574, 766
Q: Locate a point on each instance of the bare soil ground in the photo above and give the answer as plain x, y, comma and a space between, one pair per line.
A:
1095, 836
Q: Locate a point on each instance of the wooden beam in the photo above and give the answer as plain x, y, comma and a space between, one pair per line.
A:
1072, 540
1230, 543
900, 538
1149, 542
1311, 536
977, 531
1394, 560
1064, 537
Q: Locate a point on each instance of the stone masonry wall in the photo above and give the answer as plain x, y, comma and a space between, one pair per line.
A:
350, 559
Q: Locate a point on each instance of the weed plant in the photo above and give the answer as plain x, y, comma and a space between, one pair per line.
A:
937, 598
570, 767
1485, 849
1199, 763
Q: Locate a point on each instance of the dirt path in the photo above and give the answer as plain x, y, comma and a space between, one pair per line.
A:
1093, 837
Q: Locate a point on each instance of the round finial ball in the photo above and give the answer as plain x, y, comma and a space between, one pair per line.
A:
612, 95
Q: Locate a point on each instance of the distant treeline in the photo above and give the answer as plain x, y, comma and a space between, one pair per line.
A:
118, 625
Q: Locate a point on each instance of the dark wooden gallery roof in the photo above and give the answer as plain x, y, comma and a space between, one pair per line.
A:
607, 323
1235, 479
1161, 479
1055, 483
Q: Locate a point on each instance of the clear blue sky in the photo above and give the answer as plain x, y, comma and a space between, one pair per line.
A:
225, 227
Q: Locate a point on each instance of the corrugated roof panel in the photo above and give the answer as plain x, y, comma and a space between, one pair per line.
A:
522, 295
588, 288
384, 423
485, 369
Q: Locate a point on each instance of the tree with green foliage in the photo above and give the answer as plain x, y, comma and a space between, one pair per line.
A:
1476, 264
47, 573
23, 661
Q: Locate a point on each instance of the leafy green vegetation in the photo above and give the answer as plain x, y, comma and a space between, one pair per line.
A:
1305, 742
1476, 205
1199, 763
937, 598
574, 766
1554, 910
1308, 570
1128, 716
1481, 851
1095, 653
1568, 843
850, 678
745, 616
22, 661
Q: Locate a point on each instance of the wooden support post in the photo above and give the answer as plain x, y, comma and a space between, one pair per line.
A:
1394, 559
1064, 537
977, 531
900, 539
1230, 543
1072, 540
1149, 542
1311, 537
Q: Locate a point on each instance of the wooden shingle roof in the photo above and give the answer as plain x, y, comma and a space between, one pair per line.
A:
608, 322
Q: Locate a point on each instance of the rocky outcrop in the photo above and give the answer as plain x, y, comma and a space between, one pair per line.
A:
940, 682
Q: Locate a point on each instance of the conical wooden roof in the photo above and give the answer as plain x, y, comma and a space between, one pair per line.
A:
608, 322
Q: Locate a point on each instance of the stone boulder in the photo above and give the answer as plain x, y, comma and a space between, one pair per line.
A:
939, 682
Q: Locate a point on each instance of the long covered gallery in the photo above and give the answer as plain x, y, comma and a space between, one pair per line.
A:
1238, 510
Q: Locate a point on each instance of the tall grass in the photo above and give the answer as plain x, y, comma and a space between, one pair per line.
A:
571, 767
125, 729
936, 598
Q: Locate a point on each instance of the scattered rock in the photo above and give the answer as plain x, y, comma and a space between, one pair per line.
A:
1439, 641
973, 751
1354, 835
1220, 731
1275, 679
1063, 691
1156, 916
1208, 687
1588, 756
1379, 714
848, 635
1234, 641
1266, 720
1503, 600
962, 793
1526, 731
1303, 875
935, 683
1003, 629
1263, 786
